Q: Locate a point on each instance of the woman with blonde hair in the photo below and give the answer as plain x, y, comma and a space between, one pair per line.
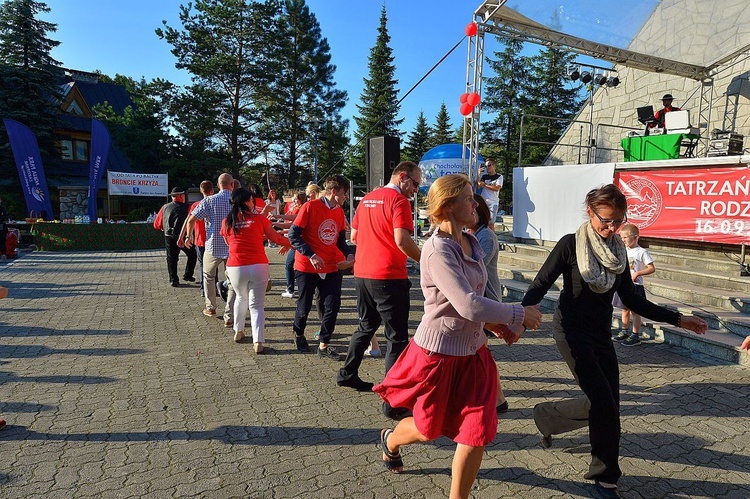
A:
446, 376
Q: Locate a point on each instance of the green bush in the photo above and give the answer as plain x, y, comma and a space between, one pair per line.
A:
136, 215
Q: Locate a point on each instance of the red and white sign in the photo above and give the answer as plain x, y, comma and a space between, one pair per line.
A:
711, 204
137, 184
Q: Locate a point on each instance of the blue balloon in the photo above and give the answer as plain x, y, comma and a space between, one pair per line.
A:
447, 151
442, 160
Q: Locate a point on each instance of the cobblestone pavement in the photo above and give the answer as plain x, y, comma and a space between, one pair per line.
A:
114, 384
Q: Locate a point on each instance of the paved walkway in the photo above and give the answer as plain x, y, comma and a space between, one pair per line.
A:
114, 385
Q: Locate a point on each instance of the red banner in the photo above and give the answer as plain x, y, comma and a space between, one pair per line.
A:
707, 204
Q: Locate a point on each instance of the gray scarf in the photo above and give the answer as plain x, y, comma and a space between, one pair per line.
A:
599, 260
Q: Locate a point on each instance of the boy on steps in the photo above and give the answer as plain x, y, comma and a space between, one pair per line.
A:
641, 264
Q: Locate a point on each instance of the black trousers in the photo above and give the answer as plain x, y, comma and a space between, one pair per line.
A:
379, 301
599, 377
173, 254
329, 290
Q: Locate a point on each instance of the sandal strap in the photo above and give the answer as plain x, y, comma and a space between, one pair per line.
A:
383, 443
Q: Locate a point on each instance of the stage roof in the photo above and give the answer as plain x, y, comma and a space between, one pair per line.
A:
688, 38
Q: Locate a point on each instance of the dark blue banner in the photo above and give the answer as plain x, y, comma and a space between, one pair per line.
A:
29, 163
99, 151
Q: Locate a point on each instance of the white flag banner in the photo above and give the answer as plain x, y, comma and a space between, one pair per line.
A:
137, 184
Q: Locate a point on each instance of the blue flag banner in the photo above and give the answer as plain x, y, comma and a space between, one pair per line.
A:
29, 163
98, 157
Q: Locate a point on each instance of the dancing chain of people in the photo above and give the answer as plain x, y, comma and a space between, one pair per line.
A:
443, 381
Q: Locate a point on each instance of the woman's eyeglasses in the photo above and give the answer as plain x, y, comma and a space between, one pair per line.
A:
613, 223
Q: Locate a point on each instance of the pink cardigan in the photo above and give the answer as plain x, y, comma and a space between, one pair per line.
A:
455, 309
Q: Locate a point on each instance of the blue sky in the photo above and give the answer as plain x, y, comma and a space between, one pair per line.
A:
117, 36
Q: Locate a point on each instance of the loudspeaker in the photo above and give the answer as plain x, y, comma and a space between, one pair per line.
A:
382, 155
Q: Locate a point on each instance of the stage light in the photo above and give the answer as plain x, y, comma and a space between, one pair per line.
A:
585, 77
613, 81
600, 79
574, 73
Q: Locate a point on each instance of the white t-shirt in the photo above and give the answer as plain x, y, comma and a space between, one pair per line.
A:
639, 258
492, 197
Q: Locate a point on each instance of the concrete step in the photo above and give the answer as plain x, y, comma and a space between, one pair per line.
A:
699, 295
726, 264
702, 277
726, 329
692, 248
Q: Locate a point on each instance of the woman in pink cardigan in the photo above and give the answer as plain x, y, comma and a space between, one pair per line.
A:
446, 376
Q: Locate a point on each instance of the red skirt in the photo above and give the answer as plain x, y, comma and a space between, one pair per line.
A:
449, 396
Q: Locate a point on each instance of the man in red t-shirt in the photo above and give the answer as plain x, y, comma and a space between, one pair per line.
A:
382, 229
318, 235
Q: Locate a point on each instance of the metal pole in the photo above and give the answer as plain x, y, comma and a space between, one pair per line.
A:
591, 122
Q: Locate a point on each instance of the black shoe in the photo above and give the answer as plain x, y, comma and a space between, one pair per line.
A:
502, 407
222, 289
356, 383
189, 279
546, 441
606, 492
329, 353
175, 283
395, 413
301, 343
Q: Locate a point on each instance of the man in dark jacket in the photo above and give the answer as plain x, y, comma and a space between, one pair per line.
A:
170, 219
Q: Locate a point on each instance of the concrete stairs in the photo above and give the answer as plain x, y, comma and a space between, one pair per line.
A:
698, 279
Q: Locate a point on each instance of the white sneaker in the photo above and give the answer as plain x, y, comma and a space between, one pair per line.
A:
373, 353
287, 294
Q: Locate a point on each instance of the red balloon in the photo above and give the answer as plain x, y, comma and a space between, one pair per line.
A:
466, 108
473, 99
471, 29
463, 97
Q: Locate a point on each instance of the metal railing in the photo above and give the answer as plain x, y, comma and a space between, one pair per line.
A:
588, 147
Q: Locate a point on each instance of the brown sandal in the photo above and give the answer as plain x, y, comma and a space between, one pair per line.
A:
391, 460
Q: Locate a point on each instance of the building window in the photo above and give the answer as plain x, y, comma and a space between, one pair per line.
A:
66, 150
82, 150
74, 108
74, 150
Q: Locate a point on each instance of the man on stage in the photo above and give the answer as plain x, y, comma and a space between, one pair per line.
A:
659, 115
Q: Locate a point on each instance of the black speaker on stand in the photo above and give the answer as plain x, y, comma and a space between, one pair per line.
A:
382, 155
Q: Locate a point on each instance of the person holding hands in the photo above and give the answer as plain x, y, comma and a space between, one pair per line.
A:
446, 376
594, 265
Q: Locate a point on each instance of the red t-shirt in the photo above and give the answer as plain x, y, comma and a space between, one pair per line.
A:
259, 205
200, 227
246, 247
320, 230
378, 214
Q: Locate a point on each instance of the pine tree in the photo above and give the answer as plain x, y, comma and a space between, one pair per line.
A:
29, 76
378, 111
302, 110
441, 132
505, 95
418, 141
141, 132
548, 97
226, 46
